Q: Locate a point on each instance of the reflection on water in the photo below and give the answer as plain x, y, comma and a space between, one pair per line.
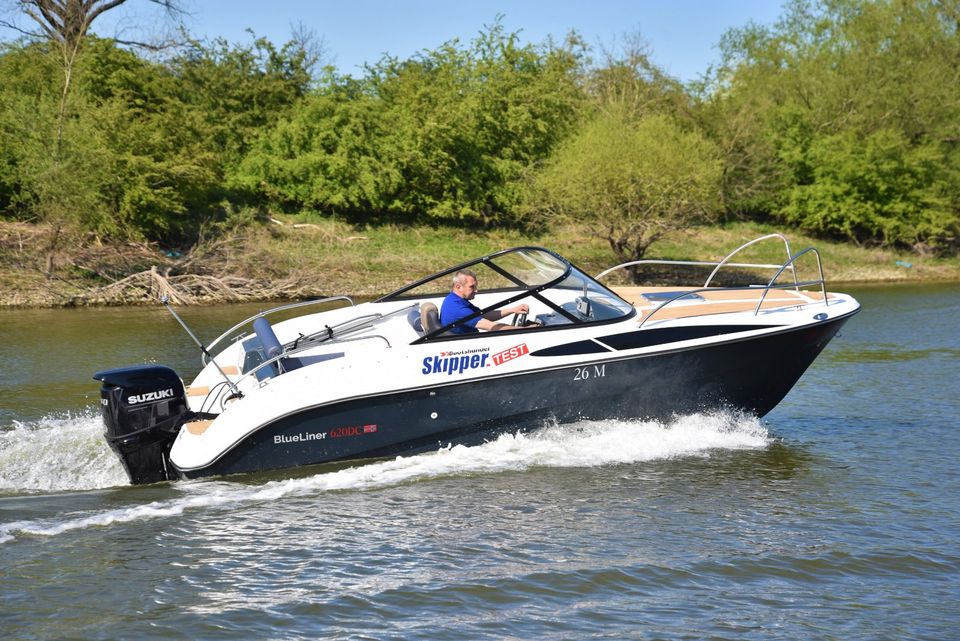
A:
775, 462
891, 353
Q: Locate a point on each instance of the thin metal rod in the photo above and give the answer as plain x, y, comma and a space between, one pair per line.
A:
790, 265
753, 242
695, 263
233, 387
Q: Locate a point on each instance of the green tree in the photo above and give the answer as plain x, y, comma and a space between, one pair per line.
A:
66, 170
629, 83
155, 143
443, 136
130, 162
65, 23
240, 90
868, 189
630, 181
875, 80
29, 78
327, 155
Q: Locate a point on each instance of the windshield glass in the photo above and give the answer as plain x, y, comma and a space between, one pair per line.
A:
513, 270
530, 267
555, 292
585, 299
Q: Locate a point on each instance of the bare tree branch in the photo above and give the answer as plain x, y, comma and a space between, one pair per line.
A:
66, 22
32, 34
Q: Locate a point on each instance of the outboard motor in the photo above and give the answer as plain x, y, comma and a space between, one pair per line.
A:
143, 409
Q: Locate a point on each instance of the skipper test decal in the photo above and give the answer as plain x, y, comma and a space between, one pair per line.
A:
464, 360
509, 354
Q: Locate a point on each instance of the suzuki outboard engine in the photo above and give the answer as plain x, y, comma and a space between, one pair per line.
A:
143, 409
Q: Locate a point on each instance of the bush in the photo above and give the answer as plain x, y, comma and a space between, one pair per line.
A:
630, 181
872, 189
441, 137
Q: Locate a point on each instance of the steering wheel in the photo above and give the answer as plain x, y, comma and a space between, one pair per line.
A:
519, 320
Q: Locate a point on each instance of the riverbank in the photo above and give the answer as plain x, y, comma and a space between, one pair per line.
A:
287, 260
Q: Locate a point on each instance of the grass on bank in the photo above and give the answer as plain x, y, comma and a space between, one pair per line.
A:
379, 259
327, 257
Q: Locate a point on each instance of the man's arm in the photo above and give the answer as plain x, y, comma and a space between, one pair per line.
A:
488, 324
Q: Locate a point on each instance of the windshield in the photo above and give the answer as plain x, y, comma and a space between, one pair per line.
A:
586, 299
532, 268
555, 292
511, 270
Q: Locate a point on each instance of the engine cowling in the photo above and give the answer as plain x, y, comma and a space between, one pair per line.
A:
143, 408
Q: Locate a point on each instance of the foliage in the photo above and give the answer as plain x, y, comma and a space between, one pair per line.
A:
239, 91
629, 83
143, 151
843, 119
874, 188
630, 181
325, 156
443, 136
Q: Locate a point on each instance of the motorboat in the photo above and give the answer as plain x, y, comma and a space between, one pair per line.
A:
336, 381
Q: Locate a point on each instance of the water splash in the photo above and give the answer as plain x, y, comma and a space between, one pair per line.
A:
58, 453
583, 444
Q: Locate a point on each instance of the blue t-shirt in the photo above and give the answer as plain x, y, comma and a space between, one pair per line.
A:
454, 308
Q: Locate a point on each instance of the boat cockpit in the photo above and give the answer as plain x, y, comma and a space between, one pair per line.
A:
557, 293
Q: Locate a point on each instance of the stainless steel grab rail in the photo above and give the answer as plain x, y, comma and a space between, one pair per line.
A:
747, 244
203, 357
756, 311
695, 263
716, 265
789, 264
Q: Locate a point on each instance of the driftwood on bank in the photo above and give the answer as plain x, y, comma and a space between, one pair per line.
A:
82, 270
150, 286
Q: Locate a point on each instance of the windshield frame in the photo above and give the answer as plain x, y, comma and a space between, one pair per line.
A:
527, 290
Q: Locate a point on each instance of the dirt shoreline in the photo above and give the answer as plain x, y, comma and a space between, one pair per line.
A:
146, 288
301, 262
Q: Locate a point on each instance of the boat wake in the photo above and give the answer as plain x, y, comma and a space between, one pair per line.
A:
69, 454
57, 453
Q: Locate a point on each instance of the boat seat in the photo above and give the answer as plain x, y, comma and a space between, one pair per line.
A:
429, 318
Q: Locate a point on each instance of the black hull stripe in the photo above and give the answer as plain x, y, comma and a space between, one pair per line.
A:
645, 338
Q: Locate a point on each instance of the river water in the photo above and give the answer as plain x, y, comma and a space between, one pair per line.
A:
836, 516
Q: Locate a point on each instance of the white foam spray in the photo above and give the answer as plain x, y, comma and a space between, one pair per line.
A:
583, 444
58, 453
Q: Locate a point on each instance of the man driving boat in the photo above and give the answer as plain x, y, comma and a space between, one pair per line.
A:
457, 305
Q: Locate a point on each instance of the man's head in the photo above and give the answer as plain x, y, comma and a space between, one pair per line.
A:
465, 284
